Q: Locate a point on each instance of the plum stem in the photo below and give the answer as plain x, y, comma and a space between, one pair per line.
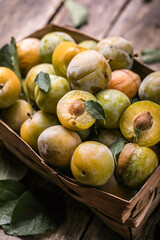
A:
1, 85
135, 55
29, 115
109, 60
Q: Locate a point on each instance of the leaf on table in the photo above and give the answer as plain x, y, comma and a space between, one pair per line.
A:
43, 81
9, 57
117, 147
8, 230
10, 190
150, 55
6, 211
95, 109
10, 167
77, 12
29, 217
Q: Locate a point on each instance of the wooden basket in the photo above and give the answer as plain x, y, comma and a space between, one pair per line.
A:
124, 217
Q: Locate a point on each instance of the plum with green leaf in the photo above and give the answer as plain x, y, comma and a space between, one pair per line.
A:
77, 110
49, 90
140, 123
32, 74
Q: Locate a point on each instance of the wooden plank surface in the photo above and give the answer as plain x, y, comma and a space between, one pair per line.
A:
19, 18
99, 231
102, 14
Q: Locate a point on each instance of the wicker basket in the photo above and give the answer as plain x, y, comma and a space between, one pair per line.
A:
124, 217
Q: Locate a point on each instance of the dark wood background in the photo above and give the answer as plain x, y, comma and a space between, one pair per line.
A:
136, 20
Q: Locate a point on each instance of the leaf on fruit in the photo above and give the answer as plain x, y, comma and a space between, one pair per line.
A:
136, 99
77, 12
117, 147
29, 217
137, 133
43, 81
95, 109
9, 57
10, 190
150, 55
8, 230
10, 167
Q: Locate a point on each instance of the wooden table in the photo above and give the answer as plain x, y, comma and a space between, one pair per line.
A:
134, 20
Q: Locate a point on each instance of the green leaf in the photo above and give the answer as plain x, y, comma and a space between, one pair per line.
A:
136, 99
77, 12
6, 211
117, 147
8, 230
10, 167
137, 133
10, 190
95, 109
148, 50
29, 217
43, 81
9, 57
150, 55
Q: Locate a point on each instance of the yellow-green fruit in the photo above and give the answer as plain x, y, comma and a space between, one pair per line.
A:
89, 71
10, 87
140, 123
47, 101
92, 163
135, 165
88, 44
34, 126
119, 50
150, 88
71, 110
31, 76
49, 42
114, 103
56, 145
27, 50
16, 114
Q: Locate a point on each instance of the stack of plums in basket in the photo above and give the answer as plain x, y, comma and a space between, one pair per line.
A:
83, 103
